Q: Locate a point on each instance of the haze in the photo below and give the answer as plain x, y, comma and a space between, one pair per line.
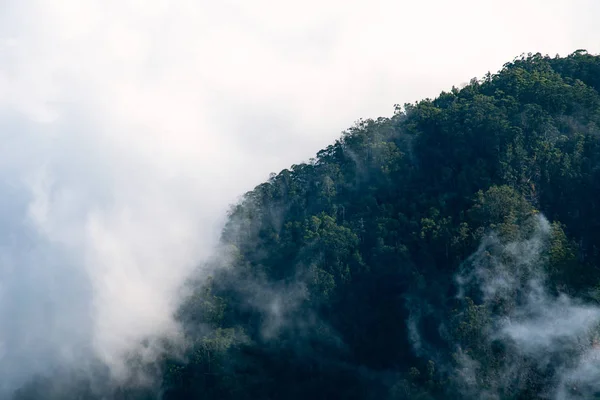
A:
129, 126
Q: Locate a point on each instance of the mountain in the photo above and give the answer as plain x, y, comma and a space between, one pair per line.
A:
451, 251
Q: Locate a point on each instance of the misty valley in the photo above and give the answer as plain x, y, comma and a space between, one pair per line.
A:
450, 251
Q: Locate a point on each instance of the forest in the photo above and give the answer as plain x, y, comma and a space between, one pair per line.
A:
450, 251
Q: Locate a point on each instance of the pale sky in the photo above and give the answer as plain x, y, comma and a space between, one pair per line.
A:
128, 126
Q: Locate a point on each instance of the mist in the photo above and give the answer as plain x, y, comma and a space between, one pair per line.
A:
541, 330
128, 128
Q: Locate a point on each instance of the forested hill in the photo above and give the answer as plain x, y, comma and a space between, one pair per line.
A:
450, 251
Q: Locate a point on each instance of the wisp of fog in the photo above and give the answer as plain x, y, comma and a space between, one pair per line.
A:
539, 328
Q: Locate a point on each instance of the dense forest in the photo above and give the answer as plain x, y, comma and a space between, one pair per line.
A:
451, 251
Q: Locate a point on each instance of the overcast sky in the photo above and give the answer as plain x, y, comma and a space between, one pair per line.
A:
128, 126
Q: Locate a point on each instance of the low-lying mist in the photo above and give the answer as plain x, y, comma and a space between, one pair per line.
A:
539, 329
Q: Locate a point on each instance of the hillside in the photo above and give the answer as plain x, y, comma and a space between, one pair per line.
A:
449, 251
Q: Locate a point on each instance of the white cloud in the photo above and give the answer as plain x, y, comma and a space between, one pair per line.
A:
128, 126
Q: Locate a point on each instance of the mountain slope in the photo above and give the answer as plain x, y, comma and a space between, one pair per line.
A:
349, 275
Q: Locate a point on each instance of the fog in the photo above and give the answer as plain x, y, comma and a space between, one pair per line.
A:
541, 329
128, 127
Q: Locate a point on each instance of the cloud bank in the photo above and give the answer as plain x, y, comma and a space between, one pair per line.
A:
127, 127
